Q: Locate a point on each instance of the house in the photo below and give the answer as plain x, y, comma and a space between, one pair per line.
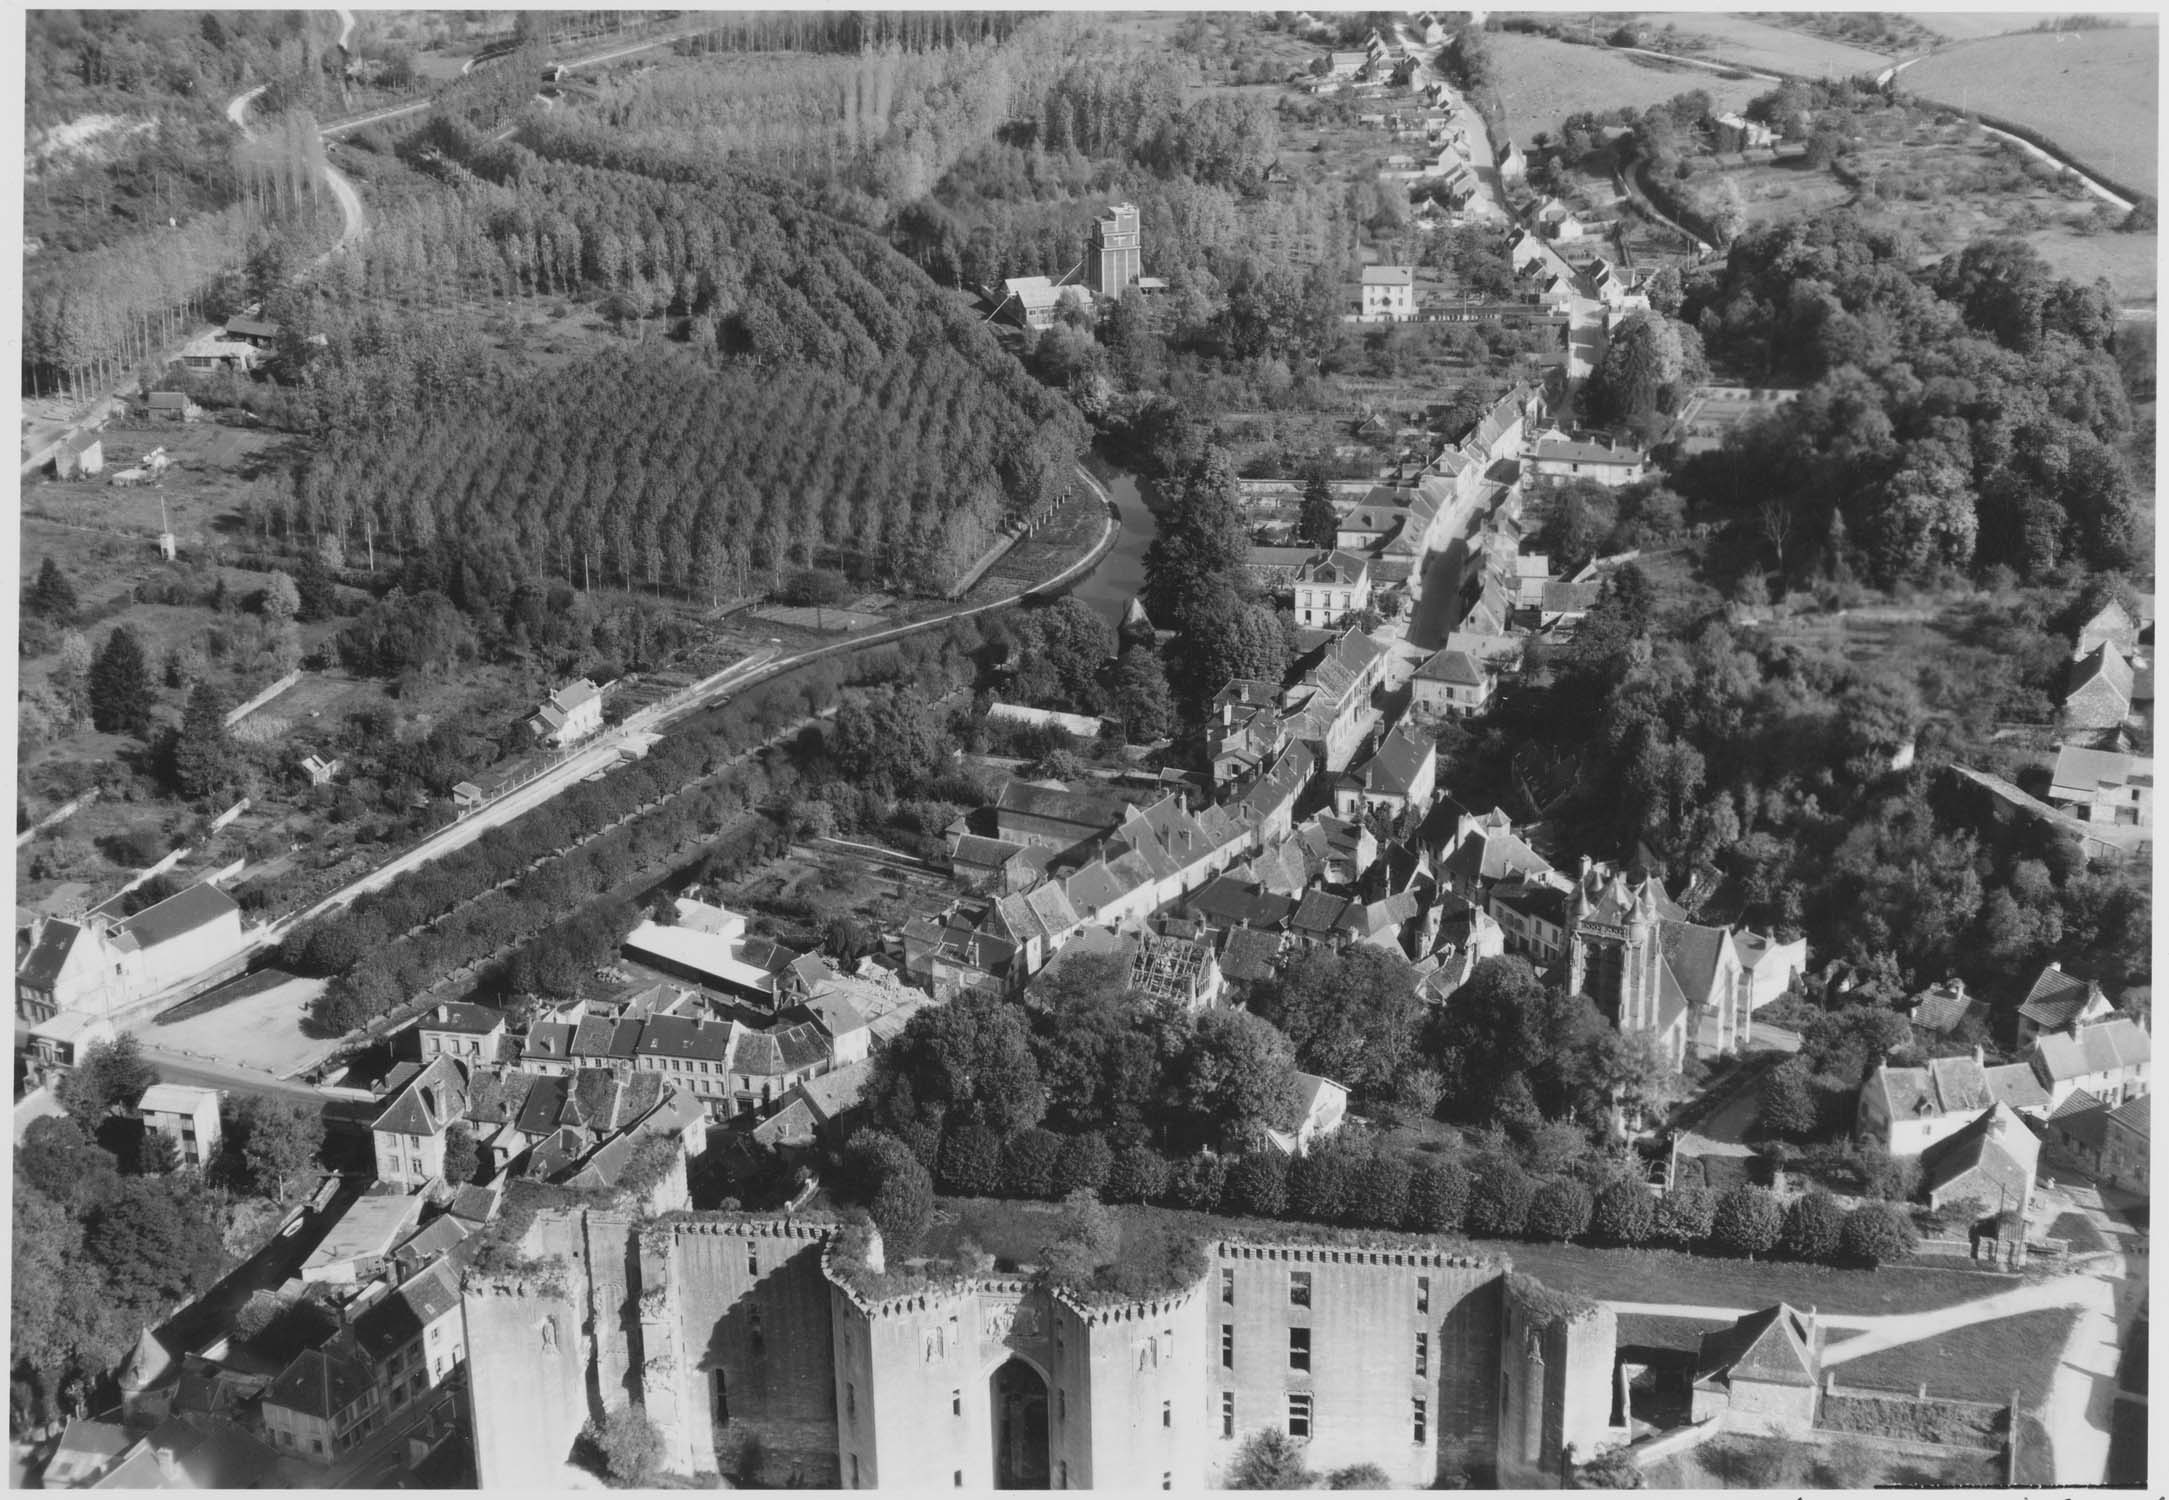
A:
1389, 292
569, 715
98, 963
1941, 1010
413, 1337
1454, 684
249, 329
1054, 816
324, 1404
2103, 786
1990, 1160
80, 454
2107, 1142
2058, 1002
1031, 301
1773, 968
1732, 132
186, 1116
1331, 589
1322, 1106
977, 863
1183, 971
1762, 1375
455, 1028
320, 771
1343, 64
695, 1054
408, 1134
86, 1450
356, 1247
212, 353
1906, 1110
58, 1043
1559, 456
2109, 1059
197, 1453
171, 406
1399, 777
1329, 706
2100, 687
2112, 623
1513, 164
1532, 914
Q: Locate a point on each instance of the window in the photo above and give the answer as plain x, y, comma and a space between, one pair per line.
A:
1227, 1346
719, 1393
1063, 1476
753, 1260
956, 1403
316, 1445
1421, 1425
1167, 1413
756, 1332
854, 1471
1061, 1406
1423, 1354
850, 1402
1299, 1423
1227, 1414
1227, 1286
1423, 1294
1299, 1348
959, 1480
1167, 1479
1299, 1288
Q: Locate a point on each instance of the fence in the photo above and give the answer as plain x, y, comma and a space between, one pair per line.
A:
269, 693
60, 814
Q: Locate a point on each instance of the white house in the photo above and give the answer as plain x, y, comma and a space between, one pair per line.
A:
2109, 1059
409, 1134
1906, 1110
98, 962
1453, 683
1324, 1106
187, 1116
1389, 291
1557, 456
2103, 786
1331, 589
569, 715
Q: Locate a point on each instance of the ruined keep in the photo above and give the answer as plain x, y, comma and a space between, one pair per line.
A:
777, 1352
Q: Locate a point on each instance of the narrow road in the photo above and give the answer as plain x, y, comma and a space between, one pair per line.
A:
1910, 1328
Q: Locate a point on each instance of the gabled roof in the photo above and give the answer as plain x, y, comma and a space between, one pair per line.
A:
398, 1318
2084, 772
178, 915
40, 968
320, 1384
174, 1099
1250, 954
2135, 1115
548, 1041
1997, 1145
148, 1364
2104, 664
2015, 1085
1455, 667
1319, 913
2099, 1047
1940, 1009
411, 1114
676, 1036
2057, 999
457, 1016
1773, 1346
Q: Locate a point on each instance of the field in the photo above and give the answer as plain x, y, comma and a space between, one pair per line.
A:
1736, 1462
2130, 263
2091, 92
1758, 44
1979, 1362
1542, 81
1707, 1281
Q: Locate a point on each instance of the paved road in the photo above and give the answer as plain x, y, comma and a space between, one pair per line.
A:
2082, 1397
210, 1075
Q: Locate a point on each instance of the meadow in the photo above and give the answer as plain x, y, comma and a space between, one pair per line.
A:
2091, 92
1753, 43
1542, 81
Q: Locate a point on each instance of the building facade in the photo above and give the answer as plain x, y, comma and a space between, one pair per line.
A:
1115, 255
741, 1335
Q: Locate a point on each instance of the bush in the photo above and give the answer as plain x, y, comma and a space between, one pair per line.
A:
1558, 1211
1138, 1174
903, 1206
1028, 1163
1613, 1469
1321, 1186
1270, 1460
1813, 1224
1788, 1101
631, 1448
971, 1161
1198, 1182
1747, 1222
1876, 1234
1257, 1185
1359, 1477
1083, 1163
1624, 1214
1380, 1196
1438, 1197
1499, 1201
1684, 1216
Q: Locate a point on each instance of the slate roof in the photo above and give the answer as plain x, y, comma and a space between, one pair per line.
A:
1940, 1009
2084, 1118
1319, 913
434, 1239
2099, 1047
2082, 771
1456, 667
398, 1318
460, 1018
1334, 568
679, 1037
1228, 902
1385, 275
1772, 1346
613, 1037
40, 968
1248, 954
1400, 759
977, 849
1087, 810
1995, 1144
410, 1113
2135, 1115
2015, 1085
320, 1384
2104, 664
548, 1041
2057, 999
178, 915
833, 1093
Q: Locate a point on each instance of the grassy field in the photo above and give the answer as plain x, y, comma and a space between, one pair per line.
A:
1542, 81
2128, 262
1971, 25
1737, 1462
1979, 1362
1754, 43
2092, 92
1672, 1277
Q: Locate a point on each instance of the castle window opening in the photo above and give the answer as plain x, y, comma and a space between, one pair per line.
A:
850, 1402
1423, 1354
1299, 1288
1299, 1414
1227, 1346
1227, 1414
1420, 1423
719, 1394
1423, 1294
956, 1403
1299, 1348
1227, 1286
1167, 1414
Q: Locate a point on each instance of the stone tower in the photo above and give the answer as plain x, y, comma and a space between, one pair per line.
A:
1115, 258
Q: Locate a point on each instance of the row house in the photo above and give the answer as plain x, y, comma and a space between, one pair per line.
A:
99, 963
1905, 1111
1398, 778
397, 1350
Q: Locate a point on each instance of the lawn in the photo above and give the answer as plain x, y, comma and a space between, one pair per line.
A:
1542, 81
2128, 262
2091, 92
1754, 43
1979, 1362
2079, 1231
1707, 1281
1738, 1462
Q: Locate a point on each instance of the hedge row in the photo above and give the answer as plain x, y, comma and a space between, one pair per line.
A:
1363, 1187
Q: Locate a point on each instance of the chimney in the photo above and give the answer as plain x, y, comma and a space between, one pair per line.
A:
2056, 966
444, 1012
168, 1466
1979, 1058
876, 1260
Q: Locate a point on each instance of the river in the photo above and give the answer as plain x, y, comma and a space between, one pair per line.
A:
1120, 577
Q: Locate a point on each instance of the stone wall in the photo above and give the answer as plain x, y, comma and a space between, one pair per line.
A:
1555, 1384
1366, 1309
527, 1372
1141, 1406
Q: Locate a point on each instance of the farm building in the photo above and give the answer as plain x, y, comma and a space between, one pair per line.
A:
569, 715
79, 454
171, 406
1389, 291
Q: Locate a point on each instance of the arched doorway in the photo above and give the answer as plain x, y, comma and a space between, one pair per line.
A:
1019, 1407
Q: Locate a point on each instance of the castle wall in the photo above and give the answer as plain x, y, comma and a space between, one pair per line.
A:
739, 1336
1555, 1388
526, 1370
1140, 1411
1366, 1309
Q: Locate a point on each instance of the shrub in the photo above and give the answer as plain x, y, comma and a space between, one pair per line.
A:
1559, 1210
1788, 1101
1499, 1201
1270, 1460
1198, 1182
1438, 1197
903, 1206
1684, 1216
1624, 1214
1359, 1477
1875, 1234
631, 1448
1813, 1223
1028, 1163
1138, 1174
1258, 1185
1747, 1221
1613, 1469
1084, 1163
1886, 1176
1321, 1185
971, 1160
1380, 1197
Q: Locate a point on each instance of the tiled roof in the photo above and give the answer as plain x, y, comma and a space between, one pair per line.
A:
198, 906
1941, 1008
676, 1036
1994, 1144
320, 1384
2135, 1114
1769, 1346
1249, 953
41, 967
400, 1317
2057, 999
1319, 912
2015, 1085
977, 849
1456, 667
2099, 1047
459, 1017
548, 1041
